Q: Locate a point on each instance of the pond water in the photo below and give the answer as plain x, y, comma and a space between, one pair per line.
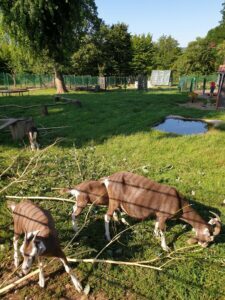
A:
180, 126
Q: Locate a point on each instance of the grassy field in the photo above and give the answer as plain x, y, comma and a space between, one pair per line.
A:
112, 132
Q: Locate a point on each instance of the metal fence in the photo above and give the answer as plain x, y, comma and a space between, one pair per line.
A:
8, 81
190, 83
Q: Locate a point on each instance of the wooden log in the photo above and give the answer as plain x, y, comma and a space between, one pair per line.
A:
68, 100
7, 122
37, 105
15, 283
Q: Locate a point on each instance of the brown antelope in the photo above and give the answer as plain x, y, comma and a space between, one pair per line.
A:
89, 192
140, 198
40, 238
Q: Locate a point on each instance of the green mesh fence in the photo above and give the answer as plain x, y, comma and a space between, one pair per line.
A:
190, 83
116, 81
8, 81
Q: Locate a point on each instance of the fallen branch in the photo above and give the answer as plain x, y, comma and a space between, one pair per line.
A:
10, 166
24, 278
116, 237
39, 105
40, 198
25, 171
114, 262
14, 284
47, 128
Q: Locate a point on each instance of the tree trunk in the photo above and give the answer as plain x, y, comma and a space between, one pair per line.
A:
14, 80
59, 82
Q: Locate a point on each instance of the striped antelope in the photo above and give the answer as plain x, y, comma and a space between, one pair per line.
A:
40, 238
89, 192
140, 197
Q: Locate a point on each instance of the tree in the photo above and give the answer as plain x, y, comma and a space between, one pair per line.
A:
216, 35
220, 53
107, 52
167, 51
223, 13
51, 27
116, 50
85, 60
143, 54
199, 58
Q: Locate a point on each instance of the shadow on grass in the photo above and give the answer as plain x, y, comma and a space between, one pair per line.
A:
102, 115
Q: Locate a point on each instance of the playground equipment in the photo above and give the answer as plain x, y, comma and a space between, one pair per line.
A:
221, 87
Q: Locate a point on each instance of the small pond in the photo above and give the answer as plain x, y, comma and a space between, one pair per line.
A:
182, 126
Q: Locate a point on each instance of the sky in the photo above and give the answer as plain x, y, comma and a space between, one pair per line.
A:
184, 20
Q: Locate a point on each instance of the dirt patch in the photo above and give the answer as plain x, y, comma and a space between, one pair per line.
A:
199, 105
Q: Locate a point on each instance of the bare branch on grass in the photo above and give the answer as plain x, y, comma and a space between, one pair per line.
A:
40, 198
115, 262
26, 170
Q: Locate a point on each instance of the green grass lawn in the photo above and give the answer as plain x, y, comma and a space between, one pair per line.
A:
112, 132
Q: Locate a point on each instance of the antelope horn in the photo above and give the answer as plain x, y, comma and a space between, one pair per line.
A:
218, 218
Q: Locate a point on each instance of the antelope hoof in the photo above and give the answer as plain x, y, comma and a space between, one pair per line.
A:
75, 228
108, 237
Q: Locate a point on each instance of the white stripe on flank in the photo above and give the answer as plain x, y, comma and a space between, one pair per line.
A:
74, 192
106, 182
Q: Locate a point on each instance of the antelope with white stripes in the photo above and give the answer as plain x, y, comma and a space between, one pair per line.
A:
40, 238
140, 197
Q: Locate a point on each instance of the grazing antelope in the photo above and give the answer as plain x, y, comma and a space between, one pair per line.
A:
40, 238
140, 198
89, 192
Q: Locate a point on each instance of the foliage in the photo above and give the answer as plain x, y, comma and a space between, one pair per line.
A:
215, 36
199, 58
223, 13
86, 59
107, 52
117, 50
220, 53
51, 26
167, 51
142, 54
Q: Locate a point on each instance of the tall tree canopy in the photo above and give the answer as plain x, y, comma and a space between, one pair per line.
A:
107, 52
199, 58
116, 50
167, 51
52, 27
223, 13
143, 54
